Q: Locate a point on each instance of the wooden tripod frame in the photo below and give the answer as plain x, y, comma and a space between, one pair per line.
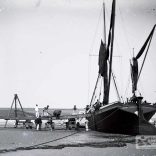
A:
14, 102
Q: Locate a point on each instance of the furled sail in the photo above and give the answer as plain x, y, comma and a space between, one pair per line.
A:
134, 74
103, 68
103, 57
134, 64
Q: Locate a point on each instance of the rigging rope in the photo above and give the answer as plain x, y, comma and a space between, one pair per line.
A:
92, 43
128, 83
50, 141
92, 99
91, 48
100, 89
124, 29
116, 88
145, 57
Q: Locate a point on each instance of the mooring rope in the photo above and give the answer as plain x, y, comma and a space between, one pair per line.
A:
50, 141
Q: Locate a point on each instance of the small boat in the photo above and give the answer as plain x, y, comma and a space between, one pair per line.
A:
129, 117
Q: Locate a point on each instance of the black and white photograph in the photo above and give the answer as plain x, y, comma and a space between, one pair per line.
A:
77, 77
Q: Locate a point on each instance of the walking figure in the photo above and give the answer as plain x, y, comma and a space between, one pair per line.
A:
38, 123
37, 111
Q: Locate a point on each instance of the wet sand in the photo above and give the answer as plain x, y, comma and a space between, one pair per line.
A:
22, 142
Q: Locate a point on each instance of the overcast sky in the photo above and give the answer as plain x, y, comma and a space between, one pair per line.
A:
45, 47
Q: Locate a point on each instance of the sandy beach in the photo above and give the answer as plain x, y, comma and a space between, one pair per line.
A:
22, 142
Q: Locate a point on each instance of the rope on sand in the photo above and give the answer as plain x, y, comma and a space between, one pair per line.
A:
33, 146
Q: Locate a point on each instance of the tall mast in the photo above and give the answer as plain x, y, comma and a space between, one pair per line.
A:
111, 33
104, 78
104, 24
105, 44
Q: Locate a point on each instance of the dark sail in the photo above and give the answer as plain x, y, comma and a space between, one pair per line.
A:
103, 57
134, 64
134, 74
103, 68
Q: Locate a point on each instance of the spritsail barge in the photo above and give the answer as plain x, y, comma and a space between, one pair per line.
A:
130, 117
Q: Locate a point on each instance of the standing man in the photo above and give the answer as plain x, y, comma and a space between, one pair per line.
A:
45, 111
37, 111
86, 124
50, 122
38, 123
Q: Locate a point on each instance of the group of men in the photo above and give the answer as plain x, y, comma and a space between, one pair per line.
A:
38, 120
45, 111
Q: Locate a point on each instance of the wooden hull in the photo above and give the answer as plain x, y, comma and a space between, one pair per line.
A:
122, 118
